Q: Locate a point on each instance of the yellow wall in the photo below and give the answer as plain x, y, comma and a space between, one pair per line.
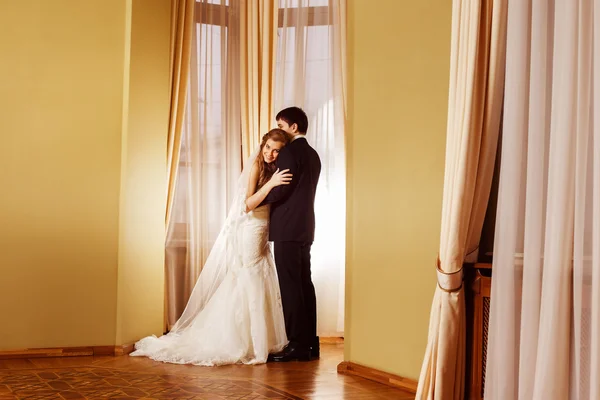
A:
399, 54
66, 224
143, 174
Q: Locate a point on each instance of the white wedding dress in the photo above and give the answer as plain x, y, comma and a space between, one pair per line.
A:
234, 314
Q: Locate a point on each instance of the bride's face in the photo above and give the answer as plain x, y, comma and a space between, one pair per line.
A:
271, 150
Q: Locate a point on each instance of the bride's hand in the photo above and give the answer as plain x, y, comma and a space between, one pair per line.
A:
280, 178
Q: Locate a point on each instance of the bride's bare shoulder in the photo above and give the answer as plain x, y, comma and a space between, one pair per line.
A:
254, 172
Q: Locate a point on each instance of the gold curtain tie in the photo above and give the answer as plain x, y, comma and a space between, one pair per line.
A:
449, 281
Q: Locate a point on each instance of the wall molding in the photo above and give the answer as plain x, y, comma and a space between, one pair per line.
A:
350, 368
67, 352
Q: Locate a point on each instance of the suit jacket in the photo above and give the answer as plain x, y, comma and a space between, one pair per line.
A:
293, 205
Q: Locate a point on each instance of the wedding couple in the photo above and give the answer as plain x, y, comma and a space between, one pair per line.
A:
238, 312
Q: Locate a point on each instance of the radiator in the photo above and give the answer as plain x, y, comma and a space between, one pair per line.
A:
479, 289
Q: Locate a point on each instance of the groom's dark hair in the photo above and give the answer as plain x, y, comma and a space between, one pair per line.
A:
294, 115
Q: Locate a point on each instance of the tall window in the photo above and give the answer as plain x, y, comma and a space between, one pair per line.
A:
305, 76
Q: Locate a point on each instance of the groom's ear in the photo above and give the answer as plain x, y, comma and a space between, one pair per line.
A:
294, 127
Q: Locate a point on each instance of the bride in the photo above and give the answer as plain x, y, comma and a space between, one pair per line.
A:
234, 314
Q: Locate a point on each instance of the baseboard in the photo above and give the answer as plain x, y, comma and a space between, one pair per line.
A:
94, 350
124, 349
350, 368
331, 340
68, 352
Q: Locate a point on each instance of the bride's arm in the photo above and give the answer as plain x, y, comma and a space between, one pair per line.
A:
254, 197
285, 161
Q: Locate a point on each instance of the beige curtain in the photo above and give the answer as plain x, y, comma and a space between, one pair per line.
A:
210, 156
258, 36
474, 109
309, 73
182, 23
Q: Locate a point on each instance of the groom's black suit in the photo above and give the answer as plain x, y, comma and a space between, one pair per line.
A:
292, 229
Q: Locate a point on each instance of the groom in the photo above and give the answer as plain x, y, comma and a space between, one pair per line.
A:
292, 229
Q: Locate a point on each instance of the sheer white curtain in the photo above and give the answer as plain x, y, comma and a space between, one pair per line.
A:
545, 304
210, 153
310, 73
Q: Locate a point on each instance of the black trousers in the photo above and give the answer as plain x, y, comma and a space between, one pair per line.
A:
297, 291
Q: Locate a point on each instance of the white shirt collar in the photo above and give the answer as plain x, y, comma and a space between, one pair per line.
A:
298, 137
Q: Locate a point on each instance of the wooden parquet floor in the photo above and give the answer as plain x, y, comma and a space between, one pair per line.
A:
140, 378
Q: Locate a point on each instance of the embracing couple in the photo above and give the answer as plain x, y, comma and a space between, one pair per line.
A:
247, 307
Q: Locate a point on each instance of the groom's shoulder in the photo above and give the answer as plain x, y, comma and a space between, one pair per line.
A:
304, 147
312, 150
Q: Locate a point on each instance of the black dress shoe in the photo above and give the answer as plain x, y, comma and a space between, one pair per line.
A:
291, 352
315, 348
